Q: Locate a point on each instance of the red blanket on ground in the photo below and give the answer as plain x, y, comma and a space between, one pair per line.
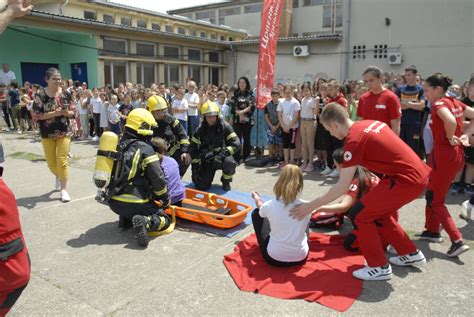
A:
326, 277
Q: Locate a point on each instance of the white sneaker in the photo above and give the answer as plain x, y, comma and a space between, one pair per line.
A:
303, 167
414, 259
466, 211
367, 273
334, 173
96, 138
65, 196
57, 186
391, 250
326, 171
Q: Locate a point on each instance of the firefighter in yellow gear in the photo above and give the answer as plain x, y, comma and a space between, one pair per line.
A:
170, 129
139, 181
212, 148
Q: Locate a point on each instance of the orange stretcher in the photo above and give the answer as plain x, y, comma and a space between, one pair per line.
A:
210, 209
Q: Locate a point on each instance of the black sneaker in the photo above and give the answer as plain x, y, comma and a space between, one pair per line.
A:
455, 188
457, 248
430, 236
141, 224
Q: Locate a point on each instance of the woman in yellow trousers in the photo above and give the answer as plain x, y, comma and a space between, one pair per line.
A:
50, 109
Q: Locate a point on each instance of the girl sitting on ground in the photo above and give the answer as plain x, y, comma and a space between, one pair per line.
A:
170, 168
283, 240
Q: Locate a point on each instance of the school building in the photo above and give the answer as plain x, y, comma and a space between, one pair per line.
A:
340, 38
101, 42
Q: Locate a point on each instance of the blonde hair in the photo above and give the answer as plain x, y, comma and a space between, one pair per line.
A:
289, 184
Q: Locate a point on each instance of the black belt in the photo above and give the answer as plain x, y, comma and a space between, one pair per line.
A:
308, 119
11, 248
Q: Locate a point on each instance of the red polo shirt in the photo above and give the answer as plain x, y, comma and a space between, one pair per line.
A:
375, 146
382, 107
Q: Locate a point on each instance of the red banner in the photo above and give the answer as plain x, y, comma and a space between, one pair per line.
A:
268, 43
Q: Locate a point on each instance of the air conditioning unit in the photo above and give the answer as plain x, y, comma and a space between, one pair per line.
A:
301, 50
394, 58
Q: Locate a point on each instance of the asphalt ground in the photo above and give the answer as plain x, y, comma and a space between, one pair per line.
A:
82, 264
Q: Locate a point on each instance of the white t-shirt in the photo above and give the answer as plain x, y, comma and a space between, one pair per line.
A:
97, 104
193, 102
7, 78
180, 104
79, 106
288, 240
219, 105
308, 104
104, 116
113, 112
288, 109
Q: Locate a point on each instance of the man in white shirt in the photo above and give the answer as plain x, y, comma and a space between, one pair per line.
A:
6, 75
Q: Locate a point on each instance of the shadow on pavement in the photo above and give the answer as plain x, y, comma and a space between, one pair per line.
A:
105, 234
30, 202
430, 254
376, 291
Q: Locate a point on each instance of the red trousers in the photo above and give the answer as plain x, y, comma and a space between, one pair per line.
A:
374, 218
446, 163
14, 276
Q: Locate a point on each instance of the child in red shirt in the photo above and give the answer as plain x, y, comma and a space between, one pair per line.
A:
447, 159
373, 145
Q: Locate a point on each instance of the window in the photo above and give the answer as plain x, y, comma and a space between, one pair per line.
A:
108, 18
203, 34
193, 32
231, 39
155, 26
169, 28
171, 52
115, 72
194, 72
327, 16
171, 74
213, 36
146, 49
380, 51
308, 3
229, 11
125, 21
114, 47
141, 23
194, 55
214, 57
146, 74
253, 8
206, 15
90, 15
358, 52
214, 76
222, 37
338, 15
181, 30
295, 3
221, 20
